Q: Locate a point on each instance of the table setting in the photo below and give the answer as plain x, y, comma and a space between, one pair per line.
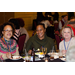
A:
40, 56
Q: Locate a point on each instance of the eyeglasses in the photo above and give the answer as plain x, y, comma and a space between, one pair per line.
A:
8, 30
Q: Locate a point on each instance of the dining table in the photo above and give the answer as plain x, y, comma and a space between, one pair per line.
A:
41, 59
22, 60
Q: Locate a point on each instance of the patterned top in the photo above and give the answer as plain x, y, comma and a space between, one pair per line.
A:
4, 48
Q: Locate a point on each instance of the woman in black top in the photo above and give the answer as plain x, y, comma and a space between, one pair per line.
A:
40, 17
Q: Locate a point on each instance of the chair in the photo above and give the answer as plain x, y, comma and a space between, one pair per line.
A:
57, 38
21, 42
51, 22
57, 32
56, 26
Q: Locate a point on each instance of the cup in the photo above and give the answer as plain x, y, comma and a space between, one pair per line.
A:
60, 55
44, 50
27, 59
52, 57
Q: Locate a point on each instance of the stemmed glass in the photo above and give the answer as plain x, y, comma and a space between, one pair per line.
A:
26, 56
44, 50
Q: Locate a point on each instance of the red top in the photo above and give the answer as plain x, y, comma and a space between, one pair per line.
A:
72, 29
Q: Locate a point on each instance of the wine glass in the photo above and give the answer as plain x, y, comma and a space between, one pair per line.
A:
44, 50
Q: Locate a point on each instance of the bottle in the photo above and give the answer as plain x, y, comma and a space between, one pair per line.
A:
33, 55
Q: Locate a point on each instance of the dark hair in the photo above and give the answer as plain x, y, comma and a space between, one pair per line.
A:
73, 17
5, 24
15, 22
71, 22
41, 25
21, 22
64, 15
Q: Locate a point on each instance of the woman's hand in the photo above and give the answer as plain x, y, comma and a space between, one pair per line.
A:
63, 51
29, 52
9, 55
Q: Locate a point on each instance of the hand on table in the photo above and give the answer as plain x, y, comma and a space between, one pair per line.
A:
29, 52
63, 51
9, 55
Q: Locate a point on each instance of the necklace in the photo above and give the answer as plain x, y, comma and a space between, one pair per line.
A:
65, 45
9, 49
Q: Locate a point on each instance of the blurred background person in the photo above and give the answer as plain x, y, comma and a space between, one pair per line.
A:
8, 46
72, 25
17, 28
68, 39
48, 16
47, 13
23, 30
46, 22
40, 17
63, 21
55, 16
72, 18
70, 14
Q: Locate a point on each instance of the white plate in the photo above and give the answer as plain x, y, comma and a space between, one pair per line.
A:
39, 55
27, 57
53, 53
16, 57
64, 59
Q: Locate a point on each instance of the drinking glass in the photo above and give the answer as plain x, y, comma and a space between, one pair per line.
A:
44, 50
60, 54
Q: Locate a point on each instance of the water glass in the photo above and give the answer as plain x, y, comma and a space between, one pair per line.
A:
60, 54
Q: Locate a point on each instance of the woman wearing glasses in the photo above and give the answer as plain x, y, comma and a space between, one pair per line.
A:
8, 46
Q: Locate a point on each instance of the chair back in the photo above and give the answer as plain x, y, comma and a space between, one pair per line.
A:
51, 22
57, 40
21, 42
56, 26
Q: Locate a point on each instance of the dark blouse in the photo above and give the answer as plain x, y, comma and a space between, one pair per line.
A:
35, 42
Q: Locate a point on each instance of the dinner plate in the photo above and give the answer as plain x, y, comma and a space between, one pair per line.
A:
64, 59
53, 53
16, 57
38, 53
27, 57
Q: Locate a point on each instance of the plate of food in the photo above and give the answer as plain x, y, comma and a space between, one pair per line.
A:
40, 54
63, 59
16, 57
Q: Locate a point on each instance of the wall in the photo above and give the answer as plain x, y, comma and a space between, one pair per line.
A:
27, 17
4, 16
61, 13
